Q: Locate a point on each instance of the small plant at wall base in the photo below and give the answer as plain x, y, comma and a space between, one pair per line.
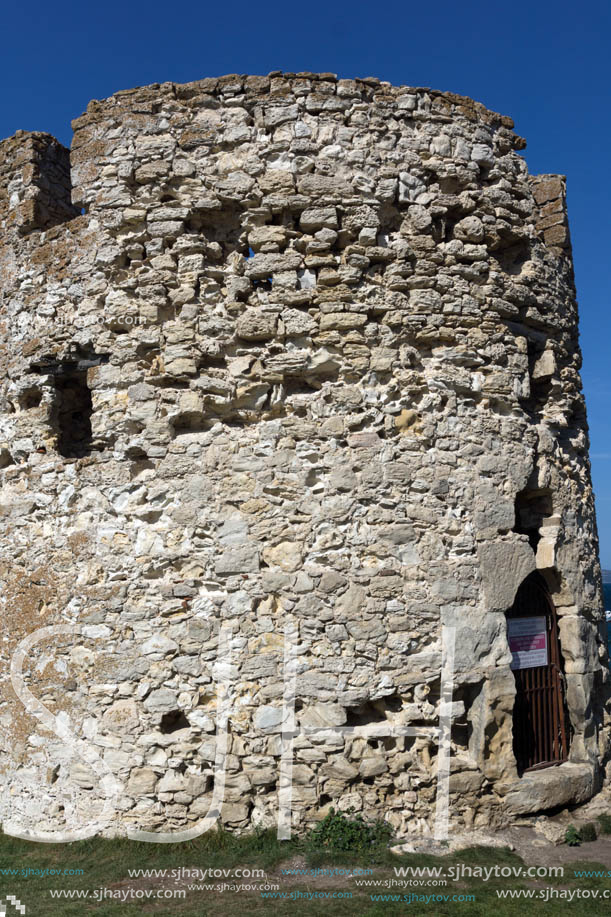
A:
337, 833
572, 837
588, 833
605, 824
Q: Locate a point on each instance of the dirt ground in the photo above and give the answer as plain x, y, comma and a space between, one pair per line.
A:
535, 850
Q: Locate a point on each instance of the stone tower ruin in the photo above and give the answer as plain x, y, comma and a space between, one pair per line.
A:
290, 354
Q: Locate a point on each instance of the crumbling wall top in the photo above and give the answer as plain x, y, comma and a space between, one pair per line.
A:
35, 186
416, 102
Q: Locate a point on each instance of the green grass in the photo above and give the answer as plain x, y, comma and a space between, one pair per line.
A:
106, 863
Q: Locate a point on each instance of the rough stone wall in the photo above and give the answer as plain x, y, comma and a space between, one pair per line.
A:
309, 354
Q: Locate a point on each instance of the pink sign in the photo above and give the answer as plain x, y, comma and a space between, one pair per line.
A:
527, 642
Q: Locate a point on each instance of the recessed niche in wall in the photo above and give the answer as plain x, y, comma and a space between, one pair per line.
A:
73, 404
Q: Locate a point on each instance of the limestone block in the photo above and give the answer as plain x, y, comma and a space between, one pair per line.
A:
321, 715
503, 565
482, 154
568, 784
366, 630
578, 641
159, 644
493, 511
83, 776
545, 366
256, 325
373, 766
297, 322
122, 716
161, 700
303, 776
261, 236
263, 776
287, 555
546, 554
468, 783
234, 813
491, 718
553, 831
314, 219
340, 770
263, 266
152, 171
410, 186
342, 321
469, 229
142, 781
238, 559
268, 718
279, 114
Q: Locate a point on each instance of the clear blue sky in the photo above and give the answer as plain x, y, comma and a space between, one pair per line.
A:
544, 63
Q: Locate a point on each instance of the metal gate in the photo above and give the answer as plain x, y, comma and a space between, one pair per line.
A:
541, 726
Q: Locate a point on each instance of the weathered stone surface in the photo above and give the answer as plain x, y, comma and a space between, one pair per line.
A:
256, 325
268, 717
82, 776
569, 783
242, 559
287, 355
504, 565
161, 700
316, 218
121, 716
322, 715
553, 831
142, 781
159, 644
287, 555
373, 766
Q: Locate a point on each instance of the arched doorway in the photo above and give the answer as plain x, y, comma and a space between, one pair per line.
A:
541, 727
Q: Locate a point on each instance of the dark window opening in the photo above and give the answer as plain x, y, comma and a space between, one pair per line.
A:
511, 253
540, 375
6, 458
31, 398
74, 414
462, 725
173, 721
73, 407
532, 507
212, 361
191, 422
373, 712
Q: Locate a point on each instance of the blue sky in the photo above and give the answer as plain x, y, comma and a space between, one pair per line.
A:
544, 63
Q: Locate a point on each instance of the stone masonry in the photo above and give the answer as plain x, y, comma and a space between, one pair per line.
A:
287, 349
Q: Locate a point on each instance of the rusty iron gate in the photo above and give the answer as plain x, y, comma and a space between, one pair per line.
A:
541, 726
